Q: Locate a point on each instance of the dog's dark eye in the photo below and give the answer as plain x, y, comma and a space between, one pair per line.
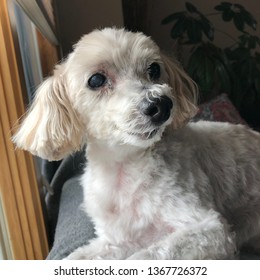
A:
96, 81
154, 71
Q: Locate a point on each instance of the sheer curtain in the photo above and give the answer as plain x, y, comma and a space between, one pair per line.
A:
5, 247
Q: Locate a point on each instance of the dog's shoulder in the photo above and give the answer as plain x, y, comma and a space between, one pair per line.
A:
207, 134
211, 126
219, 130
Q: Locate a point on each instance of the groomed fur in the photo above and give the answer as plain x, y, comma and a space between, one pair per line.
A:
51, 129
155, 188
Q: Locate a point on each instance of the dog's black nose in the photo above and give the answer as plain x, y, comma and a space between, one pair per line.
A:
157, 108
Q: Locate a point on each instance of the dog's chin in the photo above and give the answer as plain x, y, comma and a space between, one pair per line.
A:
143, 139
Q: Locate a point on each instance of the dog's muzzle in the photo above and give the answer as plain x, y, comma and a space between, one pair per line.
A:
158, 109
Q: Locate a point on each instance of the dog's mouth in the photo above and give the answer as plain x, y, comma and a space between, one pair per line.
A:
146, 135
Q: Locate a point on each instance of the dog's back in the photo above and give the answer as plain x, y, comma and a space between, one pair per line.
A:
225, 162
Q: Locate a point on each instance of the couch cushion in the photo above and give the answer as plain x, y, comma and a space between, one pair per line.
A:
219, 109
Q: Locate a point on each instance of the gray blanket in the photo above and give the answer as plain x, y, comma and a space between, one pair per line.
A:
74, 228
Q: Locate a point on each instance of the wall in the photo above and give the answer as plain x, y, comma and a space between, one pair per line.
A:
78, 17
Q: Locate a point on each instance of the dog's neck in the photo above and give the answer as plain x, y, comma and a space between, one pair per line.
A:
100, 152
116, 164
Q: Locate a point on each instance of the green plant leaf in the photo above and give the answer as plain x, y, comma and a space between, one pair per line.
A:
207, 66
227, 75
248, 41
238, 6
249, 19
223, 75
246, 17
223, 6
257, 84
238, 54
207, 28
194, 31
252, 43
191, 8
179, 28
227, 15
223, 70
256, 79
208, 69
239, 22
238, 13
257, 58
242, 40
235, 70
173, 17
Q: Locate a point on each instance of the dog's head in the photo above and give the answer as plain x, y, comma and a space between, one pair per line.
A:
115, 87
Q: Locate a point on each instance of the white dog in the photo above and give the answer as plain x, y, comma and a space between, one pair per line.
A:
155, 186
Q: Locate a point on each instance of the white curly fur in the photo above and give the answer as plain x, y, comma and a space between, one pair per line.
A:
174, 190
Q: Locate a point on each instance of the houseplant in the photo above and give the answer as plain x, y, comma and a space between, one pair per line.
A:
234, 69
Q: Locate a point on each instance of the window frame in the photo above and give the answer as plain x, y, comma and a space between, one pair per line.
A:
19, 185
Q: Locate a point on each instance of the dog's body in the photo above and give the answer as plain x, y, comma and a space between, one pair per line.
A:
155, 187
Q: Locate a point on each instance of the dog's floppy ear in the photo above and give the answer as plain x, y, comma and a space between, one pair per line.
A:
51, 128
184, 91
